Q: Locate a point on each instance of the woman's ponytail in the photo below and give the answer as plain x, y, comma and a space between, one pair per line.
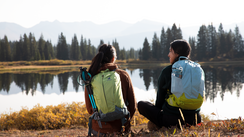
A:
105, 54
96, 63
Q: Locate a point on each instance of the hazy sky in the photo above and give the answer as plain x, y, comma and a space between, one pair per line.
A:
28, 13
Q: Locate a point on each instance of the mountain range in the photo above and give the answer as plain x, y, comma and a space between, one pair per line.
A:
127, 35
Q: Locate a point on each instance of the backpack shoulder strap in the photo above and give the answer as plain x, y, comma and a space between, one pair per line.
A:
183, 57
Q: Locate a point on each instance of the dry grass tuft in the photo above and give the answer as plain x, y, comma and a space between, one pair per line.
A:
72, 119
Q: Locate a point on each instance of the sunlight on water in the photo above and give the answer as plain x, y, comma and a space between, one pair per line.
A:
229, 108
52, 89
15, 103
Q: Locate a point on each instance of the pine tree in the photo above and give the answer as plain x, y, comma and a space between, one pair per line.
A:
101, 42
212, 41
132, 53
122, 54
69, 47
82, 50
75, 53
146, 50
78, 53
192, 42
62, 48
116, 46
174, 32
127, 54
89, 50
72, 50
26, 50
221, 41
33, 48
179, 34
55, 51
163, 40
85, 57
169, 39
41, 45
94, 51
51, 50
5, 50
238, 43
229, 44
18, 50
32, 52
155, 47
8, 49
140, 54
201, 43
47, 54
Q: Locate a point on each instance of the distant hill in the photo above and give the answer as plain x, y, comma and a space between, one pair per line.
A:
127, 35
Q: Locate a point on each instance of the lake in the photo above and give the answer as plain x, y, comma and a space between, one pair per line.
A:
224, 89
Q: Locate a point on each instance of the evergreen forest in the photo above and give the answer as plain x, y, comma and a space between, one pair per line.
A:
209, 44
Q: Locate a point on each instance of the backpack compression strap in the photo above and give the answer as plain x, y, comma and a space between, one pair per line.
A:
86, 77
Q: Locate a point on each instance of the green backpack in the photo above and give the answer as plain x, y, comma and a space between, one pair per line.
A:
107, 92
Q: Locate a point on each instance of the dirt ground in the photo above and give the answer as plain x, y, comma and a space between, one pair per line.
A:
76, 131
137, 131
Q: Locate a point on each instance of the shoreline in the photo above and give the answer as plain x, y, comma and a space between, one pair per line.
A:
24, 66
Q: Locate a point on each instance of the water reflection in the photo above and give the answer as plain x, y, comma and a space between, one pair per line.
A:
224, 80
5, 80
28, 82
219, 80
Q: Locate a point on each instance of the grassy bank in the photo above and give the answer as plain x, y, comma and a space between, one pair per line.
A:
72, 119
42, 65
45, 65
60, 66
69, 64
203, 63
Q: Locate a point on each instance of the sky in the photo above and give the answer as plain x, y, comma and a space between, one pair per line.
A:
28, 13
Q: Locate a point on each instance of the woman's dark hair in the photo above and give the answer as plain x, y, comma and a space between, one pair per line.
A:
181, 47
105, 54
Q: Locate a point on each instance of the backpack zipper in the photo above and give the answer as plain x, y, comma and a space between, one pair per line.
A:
104, 91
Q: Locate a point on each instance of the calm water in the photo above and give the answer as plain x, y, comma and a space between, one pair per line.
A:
224, 89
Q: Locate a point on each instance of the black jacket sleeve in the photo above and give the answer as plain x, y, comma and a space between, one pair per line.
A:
164, 85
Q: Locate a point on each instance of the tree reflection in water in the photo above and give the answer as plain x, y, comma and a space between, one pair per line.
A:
219, 80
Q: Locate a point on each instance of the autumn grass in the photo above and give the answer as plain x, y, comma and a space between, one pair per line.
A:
65, 116
45, 62
223, 63
56, 64
45, 65
51, 62
52, 117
